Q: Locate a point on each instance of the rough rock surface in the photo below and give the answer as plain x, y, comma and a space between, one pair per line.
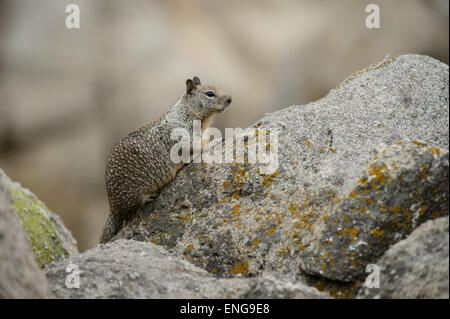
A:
416, 267
358, 170
275, 286
20, 275
131, 269
50, 239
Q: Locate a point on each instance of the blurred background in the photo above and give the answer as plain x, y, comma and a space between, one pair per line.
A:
66, 95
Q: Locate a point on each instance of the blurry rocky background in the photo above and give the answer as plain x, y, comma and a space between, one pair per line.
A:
66, 95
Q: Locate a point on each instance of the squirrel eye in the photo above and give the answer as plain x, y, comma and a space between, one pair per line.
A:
210, 93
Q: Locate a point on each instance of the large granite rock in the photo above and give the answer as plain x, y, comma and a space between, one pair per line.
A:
358, 171
416, 267
131, 269
20, 275
50, 239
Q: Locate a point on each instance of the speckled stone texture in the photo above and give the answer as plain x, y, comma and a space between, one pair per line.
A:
131, 269
416, 267
359, 170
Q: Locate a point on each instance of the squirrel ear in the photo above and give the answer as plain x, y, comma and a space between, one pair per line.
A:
196, 80
190, 85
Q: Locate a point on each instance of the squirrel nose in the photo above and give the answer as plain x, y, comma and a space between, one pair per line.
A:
229, 100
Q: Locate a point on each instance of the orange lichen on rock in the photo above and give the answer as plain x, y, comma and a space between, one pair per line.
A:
240, 268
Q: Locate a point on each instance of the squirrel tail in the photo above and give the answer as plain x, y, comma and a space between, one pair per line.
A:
111, 228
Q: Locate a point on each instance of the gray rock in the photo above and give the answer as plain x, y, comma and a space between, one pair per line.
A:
358, 170
20, 275
275, 286
131, 269
416, 267
403, 187
50, 239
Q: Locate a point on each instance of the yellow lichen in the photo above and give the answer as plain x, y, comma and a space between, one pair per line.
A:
240, 268
378, 232
236, 210
283, 251
308, 143
226, 184
434, 150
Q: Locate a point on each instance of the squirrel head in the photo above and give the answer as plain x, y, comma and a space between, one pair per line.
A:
205, 100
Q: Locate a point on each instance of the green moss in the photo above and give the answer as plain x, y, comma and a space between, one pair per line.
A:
35, 216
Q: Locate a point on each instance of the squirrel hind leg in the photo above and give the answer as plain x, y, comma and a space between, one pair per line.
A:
149, 199
117, 220
111, 228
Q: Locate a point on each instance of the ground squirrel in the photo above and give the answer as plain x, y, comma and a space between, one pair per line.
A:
139, 165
